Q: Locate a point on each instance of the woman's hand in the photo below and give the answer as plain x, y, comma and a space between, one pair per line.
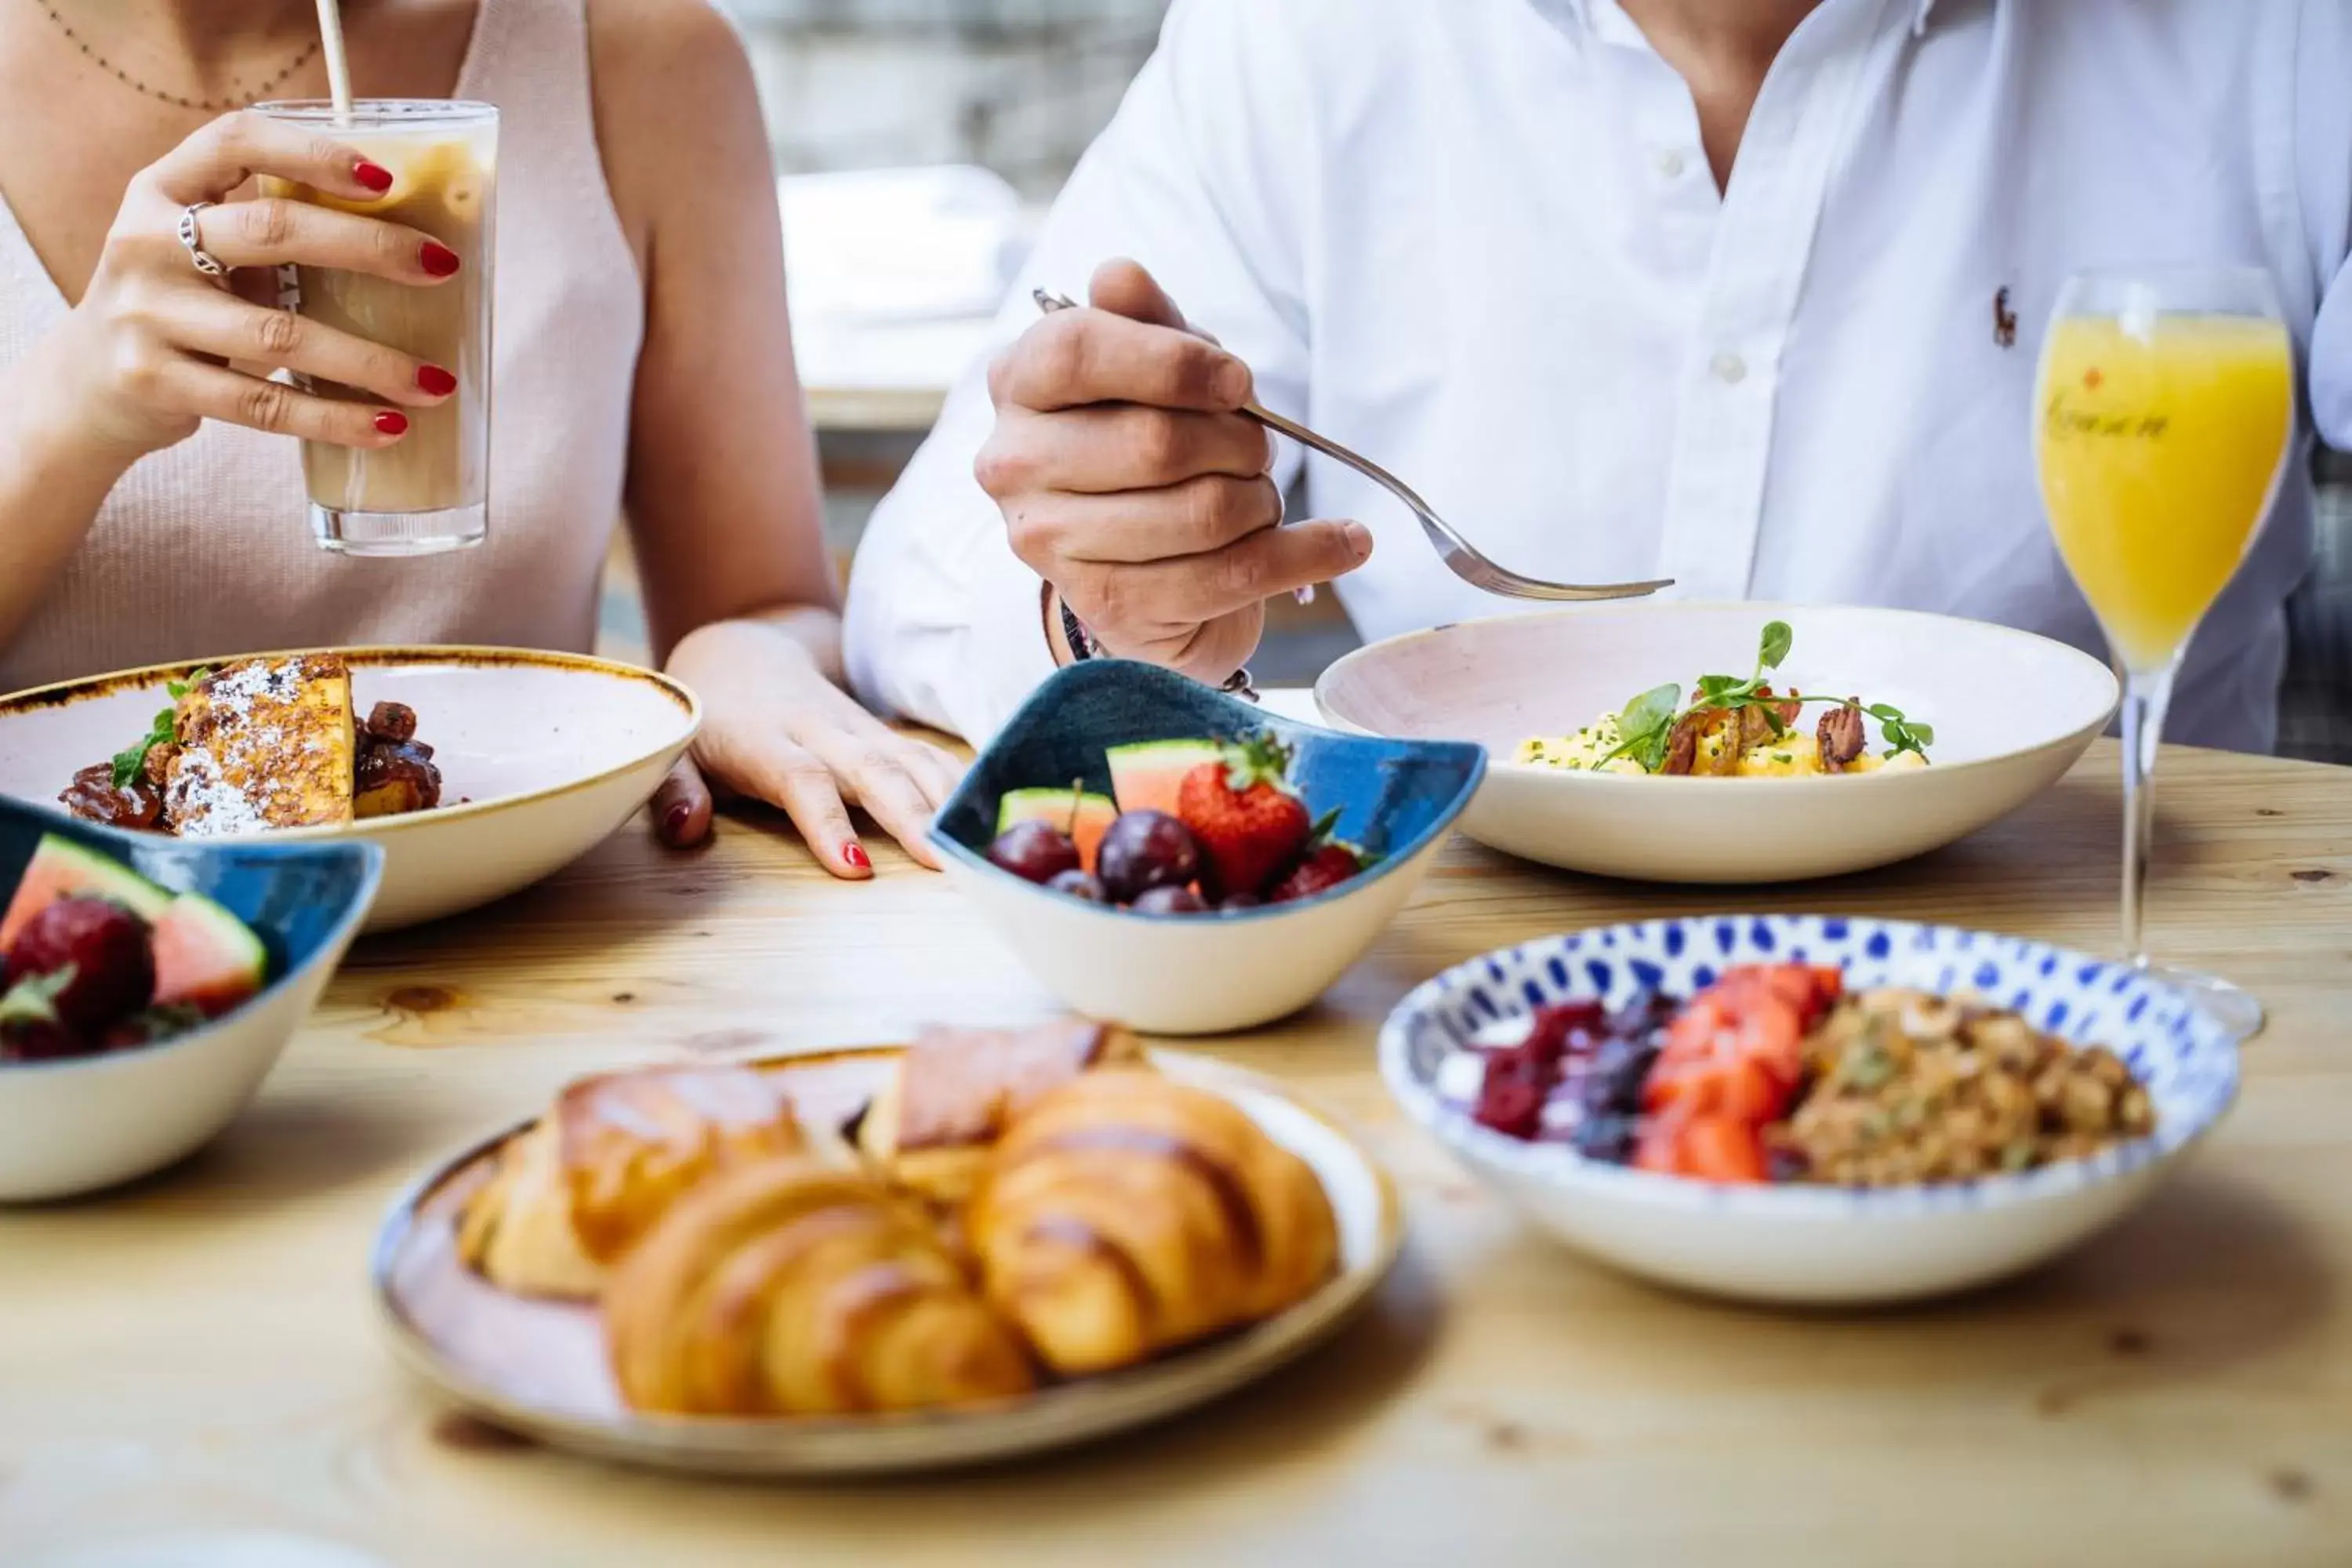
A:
773, 726
147, 354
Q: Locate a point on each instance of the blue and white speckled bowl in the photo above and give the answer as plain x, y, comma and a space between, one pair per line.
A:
1807, 1245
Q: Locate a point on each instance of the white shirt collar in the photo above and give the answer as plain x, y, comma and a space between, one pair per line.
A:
1582, 10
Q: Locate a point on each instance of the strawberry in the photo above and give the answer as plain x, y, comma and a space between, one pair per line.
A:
95, 957
1241, 812
1325, 866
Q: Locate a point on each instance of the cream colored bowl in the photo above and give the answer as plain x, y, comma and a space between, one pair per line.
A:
2012, 712
542, 756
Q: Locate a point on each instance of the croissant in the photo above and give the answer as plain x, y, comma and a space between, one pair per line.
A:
955, 1091
515, 1229
1125, 1214
793, 1288
632, 1142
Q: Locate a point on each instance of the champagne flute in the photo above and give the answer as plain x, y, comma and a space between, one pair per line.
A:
2163, 416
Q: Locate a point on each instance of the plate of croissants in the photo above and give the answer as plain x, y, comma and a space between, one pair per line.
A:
985, 1244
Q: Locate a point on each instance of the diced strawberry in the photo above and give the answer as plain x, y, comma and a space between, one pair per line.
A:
1743, 1088
1721, 1149
1659, 1149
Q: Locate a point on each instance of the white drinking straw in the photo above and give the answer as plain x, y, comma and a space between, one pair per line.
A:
339, 70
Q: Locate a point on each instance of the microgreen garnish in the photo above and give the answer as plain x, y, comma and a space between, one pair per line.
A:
1645, 726
1902, 734
129, 760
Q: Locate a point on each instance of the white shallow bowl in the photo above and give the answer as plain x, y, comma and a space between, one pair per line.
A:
2012, 712
83, 1123
1805, 1244
548, 753
540, 1367
1199, 974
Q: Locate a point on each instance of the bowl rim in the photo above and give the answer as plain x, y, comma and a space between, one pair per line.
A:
1773, 610
1394, 859
65, 693
330, 950
1561, 1167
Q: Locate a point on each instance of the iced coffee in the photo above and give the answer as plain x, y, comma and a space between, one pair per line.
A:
428, 491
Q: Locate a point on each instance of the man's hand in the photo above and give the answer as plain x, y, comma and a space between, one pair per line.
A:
1129, 481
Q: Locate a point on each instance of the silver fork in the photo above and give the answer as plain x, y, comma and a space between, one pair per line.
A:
1461, 557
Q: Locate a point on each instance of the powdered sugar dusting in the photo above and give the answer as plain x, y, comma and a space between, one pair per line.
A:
201, 803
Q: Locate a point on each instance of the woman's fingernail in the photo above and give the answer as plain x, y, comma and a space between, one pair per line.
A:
374, 176
1359, 540
392, 423
437, 258
674, 821
854, 855
435, 380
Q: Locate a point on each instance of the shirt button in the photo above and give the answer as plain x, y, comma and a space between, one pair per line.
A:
1670, 165
1729, 369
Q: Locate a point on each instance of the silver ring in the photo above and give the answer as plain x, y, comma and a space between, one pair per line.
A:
192, 241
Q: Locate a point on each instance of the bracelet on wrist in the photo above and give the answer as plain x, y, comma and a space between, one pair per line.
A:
1083, 646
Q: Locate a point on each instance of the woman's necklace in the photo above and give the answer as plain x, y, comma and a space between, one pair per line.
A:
206, 105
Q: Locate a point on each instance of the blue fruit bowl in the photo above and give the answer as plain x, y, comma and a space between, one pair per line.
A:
75, 1124
1195, 975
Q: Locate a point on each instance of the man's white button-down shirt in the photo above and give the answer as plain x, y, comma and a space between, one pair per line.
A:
1478, 240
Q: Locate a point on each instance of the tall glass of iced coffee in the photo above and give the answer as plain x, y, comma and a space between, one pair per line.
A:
428, 491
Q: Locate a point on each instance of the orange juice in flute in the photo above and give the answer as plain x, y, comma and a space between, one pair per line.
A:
2163, 413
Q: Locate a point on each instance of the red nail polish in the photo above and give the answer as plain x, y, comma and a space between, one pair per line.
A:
674, 820
374, 176
437, 258
854, 855
435, 380
392, 423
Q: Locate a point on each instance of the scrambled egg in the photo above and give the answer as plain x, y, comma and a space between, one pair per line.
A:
1796, 754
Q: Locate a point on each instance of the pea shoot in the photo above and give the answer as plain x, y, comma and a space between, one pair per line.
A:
1645, 726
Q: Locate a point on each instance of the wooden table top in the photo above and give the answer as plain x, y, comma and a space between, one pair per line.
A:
196, 1357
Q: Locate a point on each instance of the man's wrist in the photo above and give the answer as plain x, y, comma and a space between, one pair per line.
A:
1053, 615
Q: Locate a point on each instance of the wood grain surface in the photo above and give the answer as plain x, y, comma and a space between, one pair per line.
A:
191, 1369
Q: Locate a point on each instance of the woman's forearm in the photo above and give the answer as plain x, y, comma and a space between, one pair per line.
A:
53, 479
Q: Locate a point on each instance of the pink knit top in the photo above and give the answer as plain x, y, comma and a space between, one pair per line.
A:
203, 548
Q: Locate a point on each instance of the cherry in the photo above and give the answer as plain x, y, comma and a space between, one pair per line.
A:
1078, 885
1170, 902
1033, 851
1143, 850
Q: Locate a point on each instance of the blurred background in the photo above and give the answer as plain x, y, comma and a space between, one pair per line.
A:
918, 141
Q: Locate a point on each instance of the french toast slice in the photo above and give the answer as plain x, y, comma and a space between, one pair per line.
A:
263, 744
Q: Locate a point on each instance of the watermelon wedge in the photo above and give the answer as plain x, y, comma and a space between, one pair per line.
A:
1146, 775
1085, 826
61, 869
206, 957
